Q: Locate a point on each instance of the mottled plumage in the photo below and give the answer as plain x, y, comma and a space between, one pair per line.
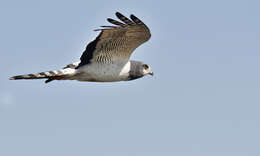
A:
106, 59
116, 43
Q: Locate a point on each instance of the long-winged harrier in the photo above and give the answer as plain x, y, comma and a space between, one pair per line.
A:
106, 59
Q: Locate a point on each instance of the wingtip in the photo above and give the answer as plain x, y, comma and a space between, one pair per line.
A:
118, 13
97, 29
11, 78
132, 16
109, 19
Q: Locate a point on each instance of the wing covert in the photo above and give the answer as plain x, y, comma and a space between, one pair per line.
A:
116, 43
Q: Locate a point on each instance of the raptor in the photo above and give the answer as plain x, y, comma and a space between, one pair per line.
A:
107, 58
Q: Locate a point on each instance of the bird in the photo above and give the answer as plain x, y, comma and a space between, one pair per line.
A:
107, 58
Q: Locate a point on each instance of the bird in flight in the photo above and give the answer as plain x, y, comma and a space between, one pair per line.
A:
107, 58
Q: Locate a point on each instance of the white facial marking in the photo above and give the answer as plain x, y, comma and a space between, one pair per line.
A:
147, 71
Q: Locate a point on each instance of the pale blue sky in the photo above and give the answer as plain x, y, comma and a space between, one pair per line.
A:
203, 100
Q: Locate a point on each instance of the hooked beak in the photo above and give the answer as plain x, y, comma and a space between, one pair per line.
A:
151, 73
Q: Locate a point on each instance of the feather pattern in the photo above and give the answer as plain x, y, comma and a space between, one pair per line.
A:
116, 43
124, 19
106, 59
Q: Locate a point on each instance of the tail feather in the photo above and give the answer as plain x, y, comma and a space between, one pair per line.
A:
66, 73
49, 75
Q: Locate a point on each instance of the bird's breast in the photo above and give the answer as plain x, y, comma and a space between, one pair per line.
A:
97, 72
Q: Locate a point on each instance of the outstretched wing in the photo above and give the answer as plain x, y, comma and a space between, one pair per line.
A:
116, 43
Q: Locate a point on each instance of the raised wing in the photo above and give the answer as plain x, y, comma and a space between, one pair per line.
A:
116, 43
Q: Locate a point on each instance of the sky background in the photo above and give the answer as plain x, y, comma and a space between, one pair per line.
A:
203, 100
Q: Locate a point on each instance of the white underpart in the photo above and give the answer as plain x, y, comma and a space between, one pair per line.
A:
55, 71
125, 70
103, 72
68, 71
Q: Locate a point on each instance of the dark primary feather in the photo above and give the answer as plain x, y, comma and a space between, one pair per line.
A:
116, 43
88, 53
136, 20
124, 19
116, 22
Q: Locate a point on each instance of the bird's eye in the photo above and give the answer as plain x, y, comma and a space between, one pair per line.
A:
145, 66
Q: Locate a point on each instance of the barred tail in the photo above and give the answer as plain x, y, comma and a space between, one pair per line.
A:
49, 75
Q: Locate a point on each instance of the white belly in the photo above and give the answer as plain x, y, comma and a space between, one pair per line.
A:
103, 72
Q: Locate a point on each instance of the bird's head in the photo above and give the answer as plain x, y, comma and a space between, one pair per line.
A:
147, 70
138, 69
